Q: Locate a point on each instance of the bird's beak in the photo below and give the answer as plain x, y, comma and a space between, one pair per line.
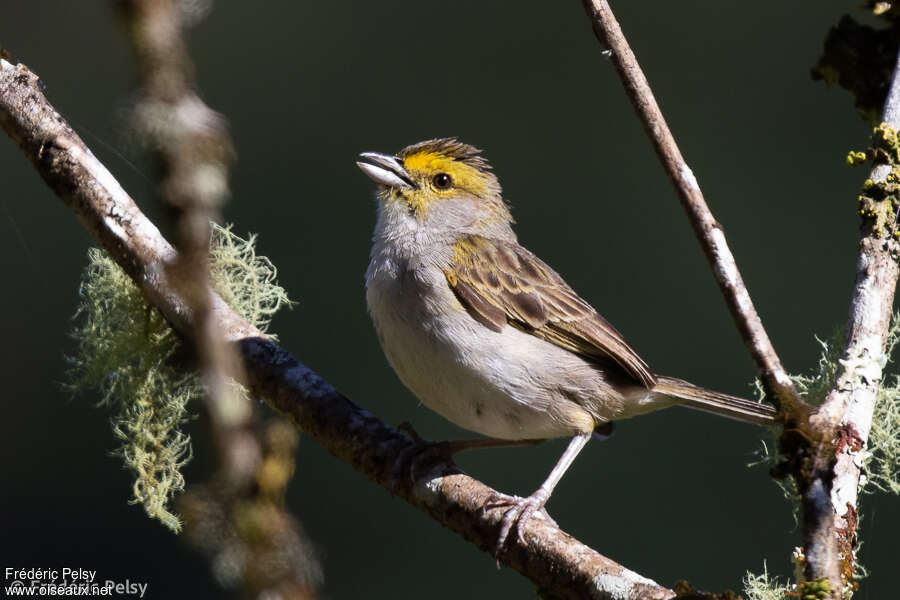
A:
384, 169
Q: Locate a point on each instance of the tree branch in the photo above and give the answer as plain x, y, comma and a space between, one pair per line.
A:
838, 431
559, 565
845, 418
709, 231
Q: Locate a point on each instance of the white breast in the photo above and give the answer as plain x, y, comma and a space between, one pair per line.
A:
509, 385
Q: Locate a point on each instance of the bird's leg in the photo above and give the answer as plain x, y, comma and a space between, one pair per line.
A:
522, 509
423, 452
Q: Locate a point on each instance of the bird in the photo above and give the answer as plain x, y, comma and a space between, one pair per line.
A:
489, 336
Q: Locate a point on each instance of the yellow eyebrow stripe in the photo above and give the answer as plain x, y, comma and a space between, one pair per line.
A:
464, 176
423, 161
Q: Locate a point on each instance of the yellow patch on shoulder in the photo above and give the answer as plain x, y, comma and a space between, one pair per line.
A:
465, 248
451, 277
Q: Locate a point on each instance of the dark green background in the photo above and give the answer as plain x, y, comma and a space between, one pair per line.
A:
308, 85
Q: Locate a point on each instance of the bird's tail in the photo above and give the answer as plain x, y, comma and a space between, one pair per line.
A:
721, 404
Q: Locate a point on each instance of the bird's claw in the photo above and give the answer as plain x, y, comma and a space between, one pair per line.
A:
517, 515
418, 455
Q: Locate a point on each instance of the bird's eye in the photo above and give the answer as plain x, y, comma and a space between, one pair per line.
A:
442, 181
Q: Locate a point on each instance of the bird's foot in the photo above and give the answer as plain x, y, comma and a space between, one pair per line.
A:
519, 512
418, 456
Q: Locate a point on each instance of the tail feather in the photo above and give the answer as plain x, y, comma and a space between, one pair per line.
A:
721, 404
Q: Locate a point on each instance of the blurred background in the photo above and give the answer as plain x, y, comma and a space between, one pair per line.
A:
306, 86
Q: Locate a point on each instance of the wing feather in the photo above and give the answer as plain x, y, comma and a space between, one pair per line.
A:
502, 283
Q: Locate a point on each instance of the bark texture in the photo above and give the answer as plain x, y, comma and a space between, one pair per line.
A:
842, 424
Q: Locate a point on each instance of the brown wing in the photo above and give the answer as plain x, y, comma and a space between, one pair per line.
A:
501, 283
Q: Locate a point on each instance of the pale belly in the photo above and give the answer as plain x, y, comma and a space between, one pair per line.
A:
506, 384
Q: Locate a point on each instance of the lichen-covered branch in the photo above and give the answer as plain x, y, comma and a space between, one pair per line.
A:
131, 355
824, 448
708, 230
844, 420
559, 565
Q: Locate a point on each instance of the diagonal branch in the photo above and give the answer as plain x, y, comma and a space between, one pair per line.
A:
708, 230
559, 565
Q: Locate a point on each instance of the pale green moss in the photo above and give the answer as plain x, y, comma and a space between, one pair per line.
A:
764, 587
128, 353
816, 386
245, 280
882, 461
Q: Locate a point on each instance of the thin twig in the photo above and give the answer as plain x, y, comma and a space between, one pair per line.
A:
708, 230
830, 491
559, 565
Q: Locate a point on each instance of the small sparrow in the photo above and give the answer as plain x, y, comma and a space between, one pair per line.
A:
485, 333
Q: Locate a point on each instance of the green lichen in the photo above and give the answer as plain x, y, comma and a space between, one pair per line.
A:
856, 158
127, 352
764, 587
881, 460
879, 202
816, 386
245, 280
816, 589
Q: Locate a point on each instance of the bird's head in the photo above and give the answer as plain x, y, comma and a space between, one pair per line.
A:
441, 183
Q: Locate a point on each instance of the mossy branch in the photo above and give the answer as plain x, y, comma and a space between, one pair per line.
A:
127, 351
879, 460
828, 468
821, 446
